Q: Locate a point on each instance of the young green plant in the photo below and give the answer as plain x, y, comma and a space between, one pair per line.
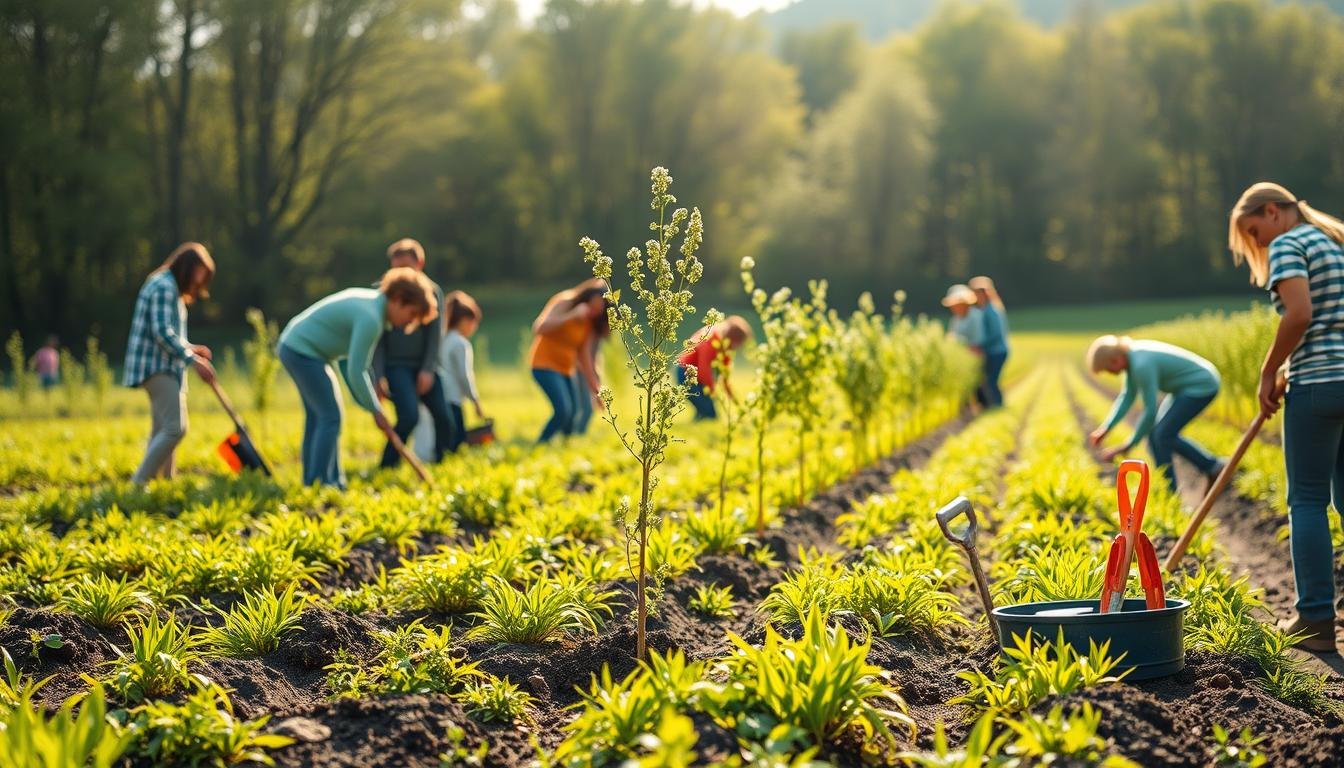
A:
662, 288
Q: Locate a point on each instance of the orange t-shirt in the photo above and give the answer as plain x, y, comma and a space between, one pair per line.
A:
559, 349
702, 357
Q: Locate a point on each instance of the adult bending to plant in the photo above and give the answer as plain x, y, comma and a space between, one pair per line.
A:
663, 290
343, 329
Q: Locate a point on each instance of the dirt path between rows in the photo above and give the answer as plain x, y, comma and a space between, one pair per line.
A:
1168, 721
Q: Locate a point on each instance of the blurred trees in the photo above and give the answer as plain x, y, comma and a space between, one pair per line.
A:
1096, 159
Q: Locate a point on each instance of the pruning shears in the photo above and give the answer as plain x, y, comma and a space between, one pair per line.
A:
1131, 542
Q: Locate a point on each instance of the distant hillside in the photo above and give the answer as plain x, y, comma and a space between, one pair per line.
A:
880, 18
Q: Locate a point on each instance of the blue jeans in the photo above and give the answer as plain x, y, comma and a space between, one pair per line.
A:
700, 400
322, 411
406, 401
559, 389
1165, 439
990, 394
583, 405
459, 433
1313, 450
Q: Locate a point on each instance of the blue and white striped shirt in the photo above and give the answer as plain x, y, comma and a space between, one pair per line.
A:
1305, 251
158, 342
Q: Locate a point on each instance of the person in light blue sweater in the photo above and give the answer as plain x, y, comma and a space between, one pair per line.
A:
1150, 367
996, 339
343, 329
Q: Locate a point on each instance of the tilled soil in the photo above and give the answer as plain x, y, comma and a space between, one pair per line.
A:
1169, 721
412, 730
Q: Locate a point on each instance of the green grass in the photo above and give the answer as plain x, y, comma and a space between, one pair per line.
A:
1096, 319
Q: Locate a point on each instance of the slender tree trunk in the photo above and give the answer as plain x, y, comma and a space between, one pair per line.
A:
760, 481
178, 122
641, 599
727, 454
802, 465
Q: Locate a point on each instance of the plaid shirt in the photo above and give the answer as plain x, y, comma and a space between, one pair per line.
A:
158, 340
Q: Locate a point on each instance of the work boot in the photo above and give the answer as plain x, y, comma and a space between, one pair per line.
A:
1318, 636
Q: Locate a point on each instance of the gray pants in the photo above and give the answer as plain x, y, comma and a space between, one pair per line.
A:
168, 409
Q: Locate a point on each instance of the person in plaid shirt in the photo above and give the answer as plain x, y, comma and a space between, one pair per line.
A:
158, 352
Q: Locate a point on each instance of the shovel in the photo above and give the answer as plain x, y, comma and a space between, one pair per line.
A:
966, 541
238, 450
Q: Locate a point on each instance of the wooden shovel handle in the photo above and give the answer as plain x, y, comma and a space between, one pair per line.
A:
1224, 477
409, 458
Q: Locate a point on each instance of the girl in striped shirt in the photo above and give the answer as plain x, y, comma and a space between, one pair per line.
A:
1296, 252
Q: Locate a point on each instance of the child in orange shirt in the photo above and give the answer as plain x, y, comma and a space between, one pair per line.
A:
711, 351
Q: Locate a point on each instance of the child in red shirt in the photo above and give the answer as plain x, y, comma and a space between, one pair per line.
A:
711, 351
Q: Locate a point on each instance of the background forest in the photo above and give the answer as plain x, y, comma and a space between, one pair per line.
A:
1076, 151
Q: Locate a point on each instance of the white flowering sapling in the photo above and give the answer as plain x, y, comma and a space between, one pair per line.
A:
807, 366
733, 416
859, 371
794, 360
762, 404
662, 288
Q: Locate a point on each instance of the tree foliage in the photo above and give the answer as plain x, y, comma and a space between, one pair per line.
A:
296, 138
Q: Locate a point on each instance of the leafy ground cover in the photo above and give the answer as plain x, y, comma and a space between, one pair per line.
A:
771, 590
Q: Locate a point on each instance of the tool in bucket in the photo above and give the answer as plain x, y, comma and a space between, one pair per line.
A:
238, 450
1132, 542
958, 506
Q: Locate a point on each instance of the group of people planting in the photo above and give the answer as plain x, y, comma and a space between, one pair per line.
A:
980, 322
403, 340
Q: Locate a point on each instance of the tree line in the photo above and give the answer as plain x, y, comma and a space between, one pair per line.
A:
296, 138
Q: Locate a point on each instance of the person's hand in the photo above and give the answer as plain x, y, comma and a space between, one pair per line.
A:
598, 403
423, 381
380, 389
384, 425
1270, 394
1095, 437
202, 351
1109, 454
204, 369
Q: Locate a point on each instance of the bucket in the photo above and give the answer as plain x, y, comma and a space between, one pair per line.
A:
1150, 641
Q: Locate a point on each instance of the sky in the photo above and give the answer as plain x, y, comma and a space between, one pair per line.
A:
529, 9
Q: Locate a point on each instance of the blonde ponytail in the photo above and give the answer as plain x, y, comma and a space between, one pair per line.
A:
1257, 196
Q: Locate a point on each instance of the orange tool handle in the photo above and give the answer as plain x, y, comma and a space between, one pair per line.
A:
1150, 574
1117, 573
1131, 511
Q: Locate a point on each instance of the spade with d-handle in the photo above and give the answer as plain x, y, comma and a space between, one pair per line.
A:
958, 506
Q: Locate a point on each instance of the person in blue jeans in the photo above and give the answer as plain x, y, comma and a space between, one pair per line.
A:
995, 344
1151, 367
583, 404
406, 367
343, 329
1297, 253
563, 337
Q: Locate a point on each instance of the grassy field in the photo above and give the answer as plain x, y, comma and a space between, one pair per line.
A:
805, 592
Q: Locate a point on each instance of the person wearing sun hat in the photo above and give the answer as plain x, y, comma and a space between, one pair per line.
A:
967, 323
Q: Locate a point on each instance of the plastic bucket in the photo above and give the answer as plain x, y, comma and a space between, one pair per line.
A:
1151, 641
